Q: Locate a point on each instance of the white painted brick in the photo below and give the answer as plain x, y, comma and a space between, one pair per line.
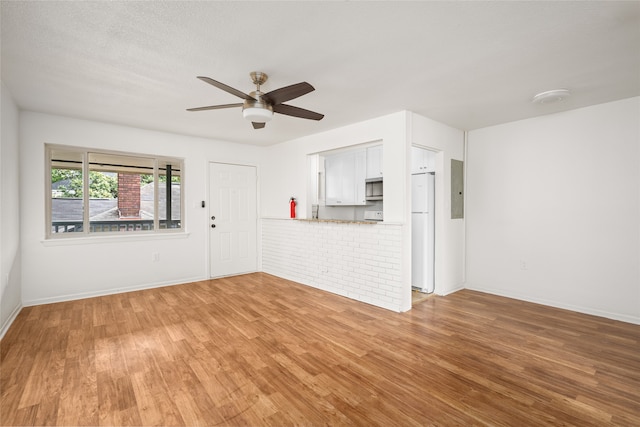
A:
345, 259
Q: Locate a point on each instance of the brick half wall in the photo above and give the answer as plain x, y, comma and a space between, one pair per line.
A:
358, 261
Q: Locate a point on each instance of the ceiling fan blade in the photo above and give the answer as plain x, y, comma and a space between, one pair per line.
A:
226, 88
214, 107
257, 125
288, 93
290, 110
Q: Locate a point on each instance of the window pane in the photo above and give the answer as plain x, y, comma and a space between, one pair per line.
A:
94, 192
67, 210
120, 193
169, 194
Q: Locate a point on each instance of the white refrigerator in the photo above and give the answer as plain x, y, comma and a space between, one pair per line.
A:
422, 231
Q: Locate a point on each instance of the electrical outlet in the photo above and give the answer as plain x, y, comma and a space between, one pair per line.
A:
155, 257
523, 265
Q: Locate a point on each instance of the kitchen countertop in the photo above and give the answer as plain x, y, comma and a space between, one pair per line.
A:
340, 221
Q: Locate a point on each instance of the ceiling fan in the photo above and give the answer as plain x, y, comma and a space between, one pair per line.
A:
258, 107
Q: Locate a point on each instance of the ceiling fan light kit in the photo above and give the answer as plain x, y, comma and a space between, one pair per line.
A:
258, 107
257, 114
255, 109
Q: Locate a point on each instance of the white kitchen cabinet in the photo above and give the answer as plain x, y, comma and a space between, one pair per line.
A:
360, 175
374, 162
422, 160
345, 178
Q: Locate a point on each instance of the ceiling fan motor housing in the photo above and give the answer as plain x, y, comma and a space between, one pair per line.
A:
258, 78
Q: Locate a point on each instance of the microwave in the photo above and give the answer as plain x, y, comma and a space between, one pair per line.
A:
373, 189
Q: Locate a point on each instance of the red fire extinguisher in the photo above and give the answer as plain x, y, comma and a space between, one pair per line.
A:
292, 206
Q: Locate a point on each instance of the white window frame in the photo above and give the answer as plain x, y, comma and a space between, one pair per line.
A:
86, 233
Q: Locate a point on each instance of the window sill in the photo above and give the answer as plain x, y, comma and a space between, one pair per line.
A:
114, 238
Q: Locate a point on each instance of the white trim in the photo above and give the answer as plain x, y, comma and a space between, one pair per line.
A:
451, 291
555, 304
115, 238
83, 295
10, 319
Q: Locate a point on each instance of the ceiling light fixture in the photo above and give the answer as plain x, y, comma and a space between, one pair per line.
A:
551, 96
257, 114
255, 108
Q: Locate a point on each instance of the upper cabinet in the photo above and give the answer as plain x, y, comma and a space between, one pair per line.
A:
374, 162
422, 160
345, 178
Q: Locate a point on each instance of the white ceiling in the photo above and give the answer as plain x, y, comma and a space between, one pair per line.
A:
466, 64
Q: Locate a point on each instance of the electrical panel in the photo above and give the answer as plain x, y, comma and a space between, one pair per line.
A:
457, 189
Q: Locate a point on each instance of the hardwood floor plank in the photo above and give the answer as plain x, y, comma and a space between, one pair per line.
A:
26, 416
258, 350
79, 392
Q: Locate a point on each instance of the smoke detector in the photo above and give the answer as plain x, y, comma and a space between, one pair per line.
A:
551, 96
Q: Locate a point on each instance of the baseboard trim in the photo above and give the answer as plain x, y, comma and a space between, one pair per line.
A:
578, 309
450, 291
83, 295
9, 321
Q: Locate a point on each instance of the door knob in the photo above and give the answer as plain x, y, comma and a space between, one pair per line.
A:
212, 218
213, 226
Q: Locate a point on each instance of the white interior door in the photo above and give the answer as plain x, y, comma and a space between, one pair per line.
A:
232, 219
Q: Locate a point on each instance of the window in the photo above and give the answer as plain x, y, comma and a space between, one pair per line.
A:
92, 192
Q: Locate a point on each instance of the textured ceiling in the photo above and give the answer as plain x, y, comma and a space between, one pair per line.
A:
466, 64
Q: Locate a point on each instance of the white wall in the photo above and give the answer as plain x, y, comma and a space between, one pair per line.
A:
76, 268
10, 288
286, 168
553, 210
59, 270
448, 143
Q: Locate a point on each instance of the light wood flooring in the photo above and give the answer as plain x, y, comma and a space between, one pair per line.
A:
257, 350
418, 297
